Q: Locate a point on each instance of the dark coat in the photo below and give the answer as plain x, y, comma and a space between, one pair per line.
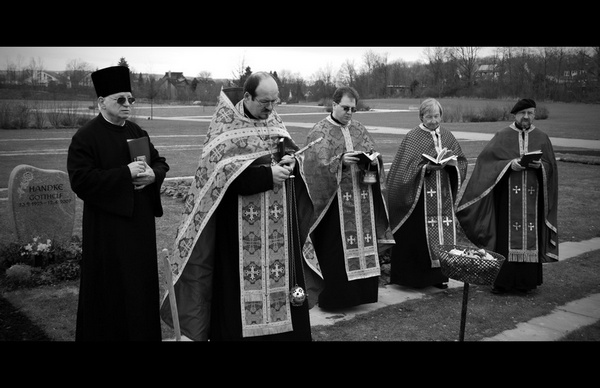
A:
119, 288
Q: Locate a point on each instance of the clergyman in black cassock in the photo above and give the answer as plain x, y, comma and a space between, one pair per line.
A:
119, 287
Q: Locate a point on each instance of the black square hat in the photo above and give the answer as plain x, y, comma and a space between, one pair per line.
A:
111, 80
525, 103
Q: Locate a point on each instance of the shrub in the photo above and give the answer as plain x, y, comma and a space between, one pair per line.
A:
19, 273
22, 113
67, 270
489, 113
5, 116
541, 113
39, 117
39, 263
10, 254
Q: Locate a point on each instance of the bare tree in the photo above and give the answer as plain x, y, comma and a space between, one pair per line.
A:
466, 59
437, 57
34, 69
76, 70
204, 76
347, 73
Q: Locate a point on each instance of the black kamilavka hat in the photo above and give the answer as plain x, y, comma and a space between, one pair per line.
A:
111, 80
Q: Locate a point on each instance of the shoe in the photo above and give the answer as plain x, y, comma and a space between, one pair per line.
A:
498, 290
441, 286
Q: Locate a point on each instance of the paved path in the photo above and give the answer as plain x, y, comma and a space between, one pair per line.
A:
551, 327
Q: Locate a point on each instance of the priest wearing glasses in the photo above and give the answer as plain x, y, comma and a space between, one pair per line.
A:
236, 259
119, 285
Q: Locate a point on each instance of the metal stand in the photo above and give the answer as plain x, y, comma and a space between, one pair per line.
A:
463, 314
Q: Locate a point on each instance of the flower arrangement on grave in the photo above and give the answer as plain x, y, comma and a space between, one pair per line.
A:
38, 253
39, 262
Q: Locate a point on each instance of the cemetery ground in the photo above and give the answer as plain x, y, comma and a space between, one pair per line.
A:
47, 313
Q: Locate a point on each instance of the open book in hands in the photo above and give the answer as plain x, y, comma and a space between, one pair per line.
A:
529, 157
444, 156
366, 158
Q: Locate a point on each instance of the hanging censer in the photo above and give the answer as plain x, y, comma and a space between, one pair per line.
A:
297, 293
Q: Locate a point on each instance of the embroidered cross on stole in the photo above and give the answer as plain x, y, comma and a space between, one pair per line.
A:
523, 212
264, 263
440, 225
357, 222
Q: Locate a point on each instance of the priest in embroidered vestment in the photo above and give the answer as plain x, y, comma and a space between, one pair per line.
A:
119, 291
421, 199
351, 227
237, 251
512, 209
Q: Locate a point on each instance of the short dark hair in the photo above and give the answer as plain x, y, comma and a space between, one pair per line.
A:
344, 91
253, 80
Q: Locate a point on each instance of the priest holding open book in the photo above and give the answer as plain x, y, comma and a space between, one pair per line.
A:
424, 179
510, 203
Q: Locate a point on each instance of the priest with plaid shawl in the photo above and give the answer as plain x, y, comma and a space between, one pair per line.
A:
421, 199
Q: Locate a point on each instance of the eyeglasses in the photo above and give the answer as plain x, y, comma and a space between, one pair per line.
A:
121, 100
268, 102
347, 108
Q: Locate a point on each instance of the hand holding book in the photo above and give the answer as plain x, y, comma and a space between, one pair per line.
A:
360, 157
443, 157
365, 158
531, 159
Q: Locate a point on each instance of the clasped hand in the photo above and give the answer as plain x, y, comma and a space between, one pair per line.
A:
283, 170
142, 174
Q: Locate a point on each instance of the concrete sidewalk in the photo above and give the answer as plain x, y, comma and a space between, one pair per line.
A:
551, 327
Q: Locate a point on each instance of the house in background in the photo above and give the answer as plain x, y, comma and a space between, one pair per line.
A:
487, 72
173, 86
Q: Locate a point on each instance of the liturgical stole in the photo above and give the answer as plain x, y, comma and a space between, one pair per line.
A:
522, 223
440, 225
357, 222
264, 263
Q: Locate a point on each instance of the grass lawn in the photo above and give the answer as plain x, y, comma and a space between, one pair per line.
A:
434, 318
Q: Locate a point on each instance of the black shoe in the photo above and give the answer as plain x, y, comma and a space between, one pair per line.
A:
441, 286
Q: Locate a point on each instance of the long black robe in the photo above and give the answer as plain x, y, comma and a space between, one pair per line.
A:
119, 288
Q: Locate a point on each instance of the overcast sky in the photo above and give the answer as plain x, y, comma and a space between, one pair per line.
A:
221, 62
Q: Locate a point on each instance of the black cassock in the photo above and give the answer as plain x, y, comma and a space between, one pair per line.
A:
119, 286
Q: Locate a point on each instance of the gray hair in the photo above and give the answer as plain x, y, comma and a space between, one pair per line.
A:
428, 105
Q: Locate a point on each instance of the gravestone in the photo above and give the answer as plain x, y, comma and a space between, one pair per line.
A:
41, 204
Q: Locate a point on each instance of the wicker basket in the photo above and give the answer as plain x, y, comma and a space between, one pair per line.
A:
467, 269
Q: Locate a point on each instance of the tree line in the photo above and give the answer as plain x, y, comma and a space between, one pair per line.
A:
568, 74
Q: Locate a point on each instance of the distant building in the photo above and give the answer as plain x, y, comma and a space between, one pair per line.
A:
487, 72
173, 86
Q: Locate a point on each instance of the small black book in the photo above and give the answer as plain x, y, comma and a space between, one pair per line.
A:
530, 157
365, 158
139, 147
